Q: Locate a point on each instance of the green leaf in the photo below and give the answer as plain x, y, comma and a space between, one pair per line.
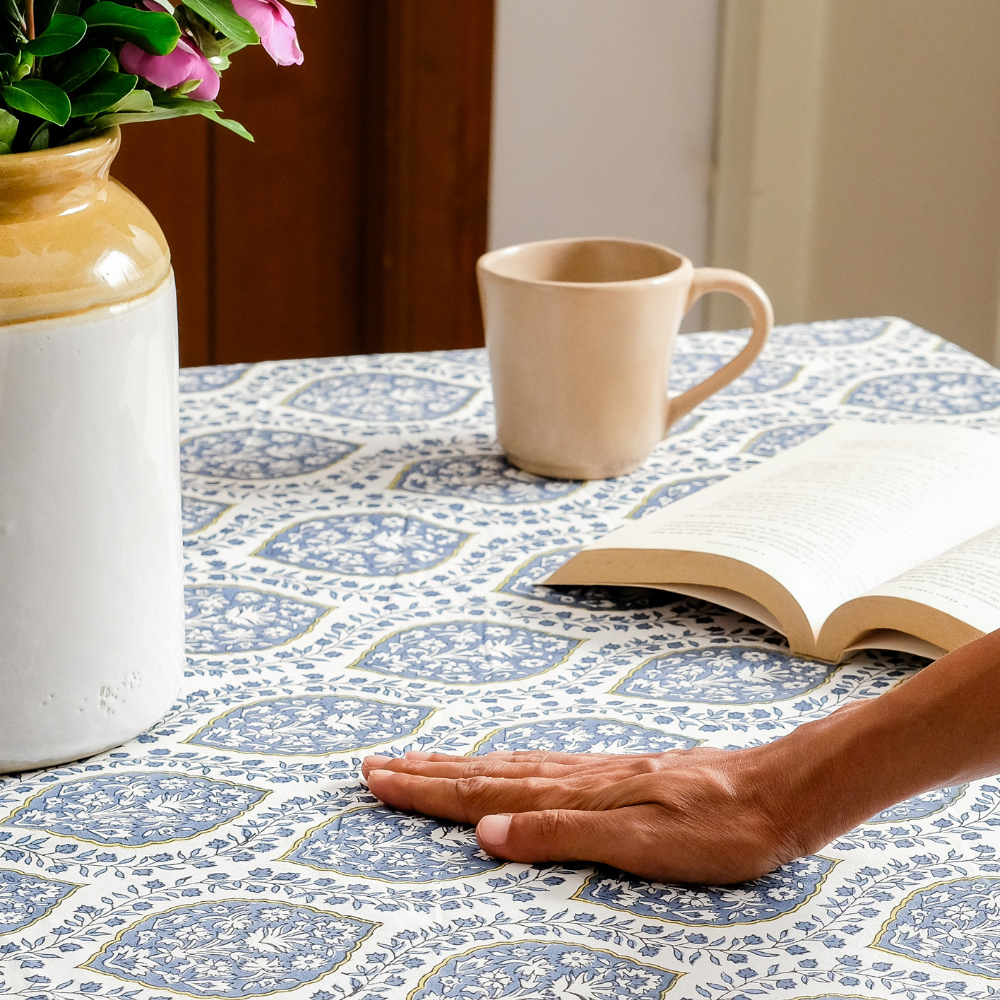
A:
193, 107
46, 9
41, 138
81, 67
138, 100
63, 32
4, 148
156, 115
303, 3
223, 17
25, 61
79, 135
7, 63
8, 128
229, 124
40, 98
153, 31
103, 92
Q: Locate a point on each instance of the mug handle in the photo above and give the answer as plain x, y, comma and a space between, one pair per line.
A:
718, 279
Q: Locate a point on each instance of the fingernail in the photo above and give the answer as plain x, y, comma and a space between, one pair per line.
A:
378, 772
493, 829
418, 755
376, 760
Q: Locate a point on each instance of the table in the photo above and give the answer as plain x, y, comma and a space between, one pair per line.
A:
362, 568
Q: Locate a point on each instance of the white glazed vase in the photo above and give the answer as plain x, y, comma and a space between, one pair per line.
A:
91, 591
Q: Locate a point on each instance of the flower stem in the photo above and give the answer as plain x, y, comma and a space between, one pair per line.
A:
30, 14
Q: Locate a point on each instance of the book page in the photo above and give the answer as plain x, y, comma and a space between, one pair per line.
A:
832, 518
963, 582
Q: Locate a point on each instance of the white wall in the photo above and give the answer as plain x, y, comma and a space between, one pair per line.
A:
603, 121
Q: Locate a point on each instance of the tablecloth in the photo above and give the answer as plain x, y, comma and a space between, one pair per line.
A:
362, 570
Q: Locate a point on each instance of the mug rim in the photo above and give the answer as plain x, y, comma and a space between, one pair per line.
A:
486, 261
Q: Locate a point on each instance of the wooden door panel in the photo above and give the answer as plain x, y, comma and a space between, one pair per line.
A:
287, 208
166, 165
353, 223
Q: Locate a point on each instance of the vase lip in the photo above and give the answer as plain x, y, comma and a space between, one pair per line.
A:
97, 141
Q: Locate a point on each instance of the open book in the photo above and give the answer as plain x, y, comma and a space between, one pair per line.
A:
866, 536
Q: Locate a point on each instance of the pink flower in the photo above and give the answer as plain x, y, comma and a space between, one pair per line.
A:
185, 63
276, 28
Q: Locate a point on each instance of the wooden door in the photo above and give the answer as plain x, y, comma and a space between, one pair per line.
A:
354, 221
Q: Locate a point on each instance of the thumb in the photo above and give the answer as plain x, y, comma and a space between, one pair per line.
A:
551, 835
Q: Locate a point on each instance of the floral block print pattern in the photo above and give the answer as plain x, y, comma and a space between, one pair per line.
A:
365, 576
583, 735
364, 544
665, 495
199, 514
726, 676
485, 478
543, 970
391, 846
764, 375
133, 809
312, 724
939, 394
27, 898
212, 377
769, 443
829, 333
382, 397
920, 806
782, 891
954, 925
258, 453
523, 583
232, 948
467, 652
236, 619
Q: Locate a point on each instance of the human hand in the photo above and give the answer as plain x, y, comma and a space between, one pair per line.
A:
702, 815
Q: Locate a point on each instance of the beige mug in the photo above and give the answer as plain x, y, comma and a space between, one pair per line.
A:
580, 334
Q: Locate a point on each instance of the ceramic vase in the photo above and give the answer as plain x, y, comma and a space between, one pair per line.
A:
91, 593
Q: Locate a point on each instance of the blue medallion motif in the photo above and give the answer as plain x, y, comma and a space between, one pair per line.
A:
364, 544
920, 806
390, 846
467, 652
486, 478
381, 397
522, 582
260, 453
542, 970
198, 514
134, 809
764, 375
237, 619
953, 925
769, 443
669, 493
27, 898
831, 333
730, 675
210, 377
232, 948
311, 725
583, 734
939, 394
773, 895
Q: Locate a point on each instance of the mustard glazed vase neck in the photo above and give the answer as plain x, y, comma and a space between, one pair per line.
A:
57, 181
71, 237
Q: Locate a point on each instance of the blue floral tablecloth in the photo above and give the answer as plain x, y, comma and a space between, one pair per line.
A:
362, 568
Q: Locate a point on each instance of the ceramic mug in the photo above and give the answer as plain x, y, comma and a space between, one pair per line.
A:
580, 334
